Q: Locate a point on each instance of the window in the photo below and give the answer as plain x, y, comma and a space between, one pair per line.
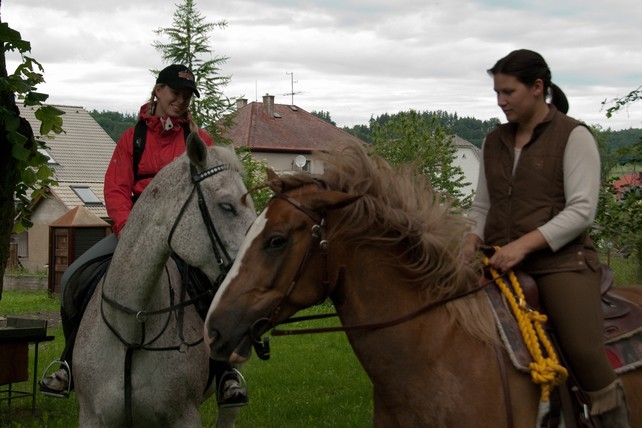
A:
22, 244
86, 195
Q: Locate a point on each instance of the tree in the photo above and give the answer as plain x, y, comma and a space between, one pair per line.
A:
323, 115
114, 123
188, 45
255, 177
407, 138
24, 173
619, 217
620, 103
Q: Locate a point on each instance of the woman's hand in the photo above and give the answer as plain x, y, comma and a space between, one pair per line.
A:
506, 257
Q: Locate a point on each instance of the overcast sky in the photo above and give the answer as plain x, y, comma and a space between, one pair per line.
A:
352, 58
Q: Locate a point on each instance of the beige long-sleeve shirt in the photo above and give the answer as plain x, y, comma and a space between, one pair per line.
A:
581, 188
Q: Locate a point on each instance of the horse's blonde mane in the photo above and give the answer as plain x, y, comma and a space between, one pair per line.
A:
399, 210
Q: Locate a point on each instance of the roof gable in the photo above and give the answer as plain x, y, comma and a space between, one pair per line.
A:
79, 217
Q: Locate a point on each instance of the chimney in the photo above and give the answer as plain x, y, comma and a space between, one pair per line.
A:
240, 103
268, 104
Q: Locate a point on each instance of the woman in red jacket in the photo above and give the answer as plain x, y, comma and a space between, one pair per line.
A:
166, 118
163, 125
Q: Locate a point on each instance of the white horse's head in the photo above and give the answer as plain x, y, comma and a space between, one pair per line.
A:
210, 207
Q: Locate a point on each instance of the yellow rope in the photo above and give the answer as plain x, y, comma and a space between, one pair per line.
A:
545, 370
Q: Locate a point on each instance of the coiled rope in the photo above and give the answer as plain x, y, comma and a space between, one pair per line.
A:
545, 369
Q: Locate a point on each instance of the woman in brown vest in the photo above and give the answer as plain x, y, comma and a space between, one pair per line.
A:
536, 199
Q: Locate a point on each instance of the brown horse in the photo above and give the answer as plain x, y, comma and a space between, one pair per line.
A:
386, 249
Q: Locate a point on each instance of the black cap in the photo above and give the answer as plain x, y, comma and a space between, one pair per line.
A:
177, 76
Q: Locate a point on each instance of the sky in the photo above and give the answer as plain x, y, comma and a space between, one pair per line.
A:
355, 59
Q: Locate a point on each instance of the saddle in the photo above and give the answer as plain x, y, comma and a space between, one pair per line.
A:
622, 334
621, 316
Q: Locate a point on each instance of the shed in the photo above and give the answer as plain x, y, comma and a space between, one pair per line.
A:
69, 237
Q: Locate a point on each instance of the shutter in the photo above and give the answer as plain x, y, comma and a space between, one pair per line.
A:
86, 237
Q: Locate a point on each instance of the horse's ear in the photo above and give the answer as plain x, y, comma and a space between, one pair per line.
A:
196, 150
331, 200
274, 181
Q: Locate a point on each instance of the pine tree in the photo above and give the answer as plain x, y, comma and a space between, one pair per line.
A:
188, 45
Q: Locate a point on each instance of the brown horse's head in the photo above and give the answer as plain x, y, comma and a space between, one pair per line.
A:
296, 252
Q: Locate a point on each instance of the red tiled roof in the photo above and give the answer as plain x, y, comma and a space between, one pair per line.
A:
288, 128
632, 179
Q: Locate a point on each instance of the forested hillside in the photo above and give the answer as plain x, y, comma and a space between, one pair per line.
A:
114, 123
474, 130
468, 128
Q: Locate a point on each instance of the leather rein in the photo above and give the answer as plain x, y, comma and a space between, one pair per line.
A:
318, 231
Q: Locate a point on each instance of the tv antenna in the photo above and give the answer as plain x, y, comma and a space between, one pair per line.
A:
292, 82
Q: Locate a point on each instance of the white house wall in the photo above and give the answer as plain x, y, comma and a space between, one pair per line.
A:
283, 162
48, 211
468, 161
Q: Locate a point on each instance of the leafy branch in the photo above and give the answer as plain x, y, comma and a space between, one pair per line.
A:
27, 160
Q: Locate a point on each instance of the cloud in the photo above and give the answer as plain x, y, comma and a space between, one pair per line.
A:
352, 58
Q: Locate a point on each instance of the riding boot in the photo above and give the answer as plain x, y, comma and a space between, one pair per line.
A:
608, 406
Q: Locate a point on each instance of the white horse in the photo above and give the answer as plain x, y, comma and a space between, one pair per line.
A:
139, 359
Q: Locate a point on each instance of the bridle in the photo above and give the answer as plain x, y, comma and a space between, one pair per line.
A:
224, 262
318, 232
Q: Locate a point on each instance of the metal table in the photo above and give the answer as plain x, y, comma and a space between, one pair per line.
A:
20, 330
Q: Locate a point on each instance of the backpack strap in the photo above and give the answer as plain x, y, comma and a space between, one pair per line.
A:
140, 138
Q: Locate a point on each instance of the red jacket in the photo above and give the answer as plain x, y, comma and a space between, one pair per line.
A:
161, 147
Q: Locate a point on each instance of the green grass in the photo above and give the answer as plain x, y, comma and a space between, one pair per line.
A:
310, 380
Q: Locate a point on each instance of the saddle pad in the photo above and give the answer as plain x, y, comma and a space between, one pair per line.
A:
624, 353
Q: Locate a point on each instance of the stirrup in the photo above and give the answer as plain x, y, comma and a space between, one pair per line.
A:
53, 393
238, 402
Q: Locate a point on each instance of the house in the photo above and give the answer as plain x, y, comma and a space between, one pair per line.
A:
79, 158
468, 158
626, 182
286, 137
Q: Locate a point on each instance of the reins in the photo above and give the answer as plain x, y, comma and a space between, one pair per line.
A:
223, 259
376, 325
545, 369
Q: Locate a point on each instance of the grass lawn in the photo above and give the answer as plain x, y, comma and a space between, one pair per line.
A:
310, 381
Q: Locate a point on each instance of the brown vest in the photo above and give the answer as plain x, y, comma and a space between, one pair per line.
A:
524, 201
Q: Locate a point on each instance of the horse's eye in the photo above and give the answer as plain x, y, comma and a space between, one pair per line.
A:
275, 242
227, 207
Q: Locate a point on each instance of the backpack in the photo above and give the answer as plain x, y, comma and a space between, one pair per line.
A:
140, 137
